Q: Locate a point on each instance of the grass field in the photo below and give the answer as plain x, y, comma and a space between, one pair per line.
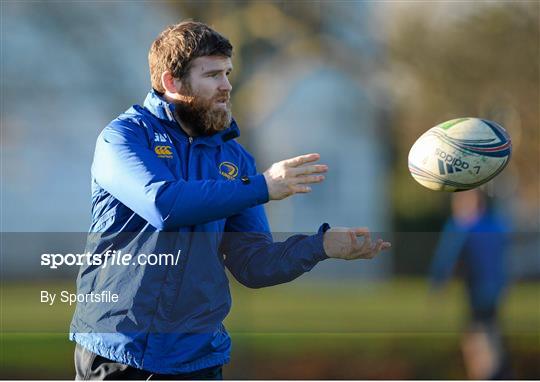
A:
307, 330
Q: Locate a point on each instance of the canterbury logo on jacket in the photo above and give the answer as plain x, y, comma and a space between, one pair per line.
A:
155, 190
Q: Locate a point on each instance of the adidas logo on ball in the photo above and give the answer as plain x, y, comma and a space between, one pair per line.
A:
452, 163
480, 149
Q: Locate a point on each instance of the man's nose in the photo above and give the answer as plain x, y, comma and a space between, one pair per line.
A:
225, 85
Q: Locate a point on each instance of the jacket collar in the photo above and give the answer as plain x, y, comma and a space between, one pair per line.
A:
163, 110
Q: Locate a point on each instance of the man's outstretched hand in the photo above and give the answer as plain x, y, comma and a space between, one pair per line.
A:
293, 176
342, 243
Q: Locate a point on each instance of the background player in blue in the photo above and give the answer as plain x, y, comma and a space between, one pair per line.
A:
170, 176
478, 238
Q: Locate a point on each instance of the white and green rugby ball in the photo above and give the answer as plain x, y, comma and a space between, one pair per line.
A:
460, 154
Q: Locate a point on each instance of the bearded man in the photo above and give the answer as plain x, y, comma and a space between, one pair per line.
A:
169, 178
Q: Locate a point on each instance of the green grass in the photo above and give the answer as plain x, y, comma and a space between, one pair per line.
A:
304, 329
400, 306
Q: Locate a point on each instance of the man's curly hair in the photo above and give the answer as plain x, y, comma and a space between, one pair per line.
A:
177, 46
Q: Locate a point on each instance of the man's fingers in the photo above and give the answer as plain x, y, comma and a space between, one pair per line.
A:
307, 170
360, 231
382, 245
300, 160
305, 179
378, 246
352, 237
299, 189
366, 243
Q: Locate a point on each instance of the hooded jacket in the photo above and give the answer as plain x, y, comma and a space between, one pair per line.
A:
157, 191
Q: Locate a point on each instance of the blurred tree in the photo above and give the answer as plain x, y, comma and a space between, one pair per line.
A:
276, 32
484, 62
259, 31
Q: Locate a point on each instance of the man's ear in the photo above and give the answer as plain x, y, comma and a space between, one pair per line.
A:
169, 83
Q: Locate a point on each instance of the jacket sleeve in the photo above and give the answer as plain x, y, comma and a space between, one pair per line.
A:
129, 170
448, 250
256, 261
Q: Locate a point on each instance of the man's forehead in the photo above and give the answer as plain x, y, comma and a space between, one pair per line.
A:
208, 63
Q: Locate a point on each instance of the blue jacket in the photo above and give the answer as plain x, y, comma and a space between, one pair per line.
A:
482, 247
156, 190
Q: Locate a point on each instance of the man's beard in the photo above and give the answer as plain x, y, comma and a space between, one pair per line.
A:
202, 115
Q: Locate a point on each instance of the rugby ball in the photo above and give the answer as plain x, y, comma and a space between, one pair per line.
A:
460, 154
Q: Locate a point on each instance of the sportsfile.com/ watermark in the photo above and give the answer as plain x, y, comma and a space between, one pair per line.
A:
109, 258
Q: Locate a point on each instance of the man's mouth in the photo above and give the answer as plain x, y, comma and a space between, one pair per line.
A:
222, 101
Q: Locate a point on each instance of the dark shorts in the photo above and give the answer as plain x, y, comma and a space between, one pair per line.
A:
485, 315
90, 366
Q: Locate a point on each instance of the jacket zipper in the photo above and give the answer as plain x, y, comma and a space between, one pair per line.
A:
190, 142
189, 235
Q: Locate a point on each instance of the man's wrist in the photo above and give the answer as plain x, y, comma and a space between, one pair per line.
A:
321, 254
258, 184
